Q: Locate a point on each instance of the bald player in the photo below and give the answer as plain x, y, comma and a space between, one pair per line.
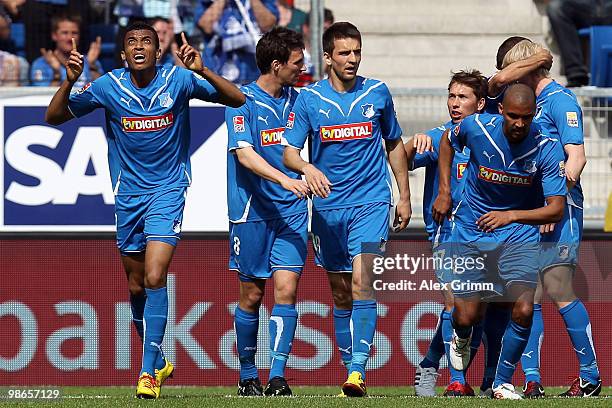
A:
496, 223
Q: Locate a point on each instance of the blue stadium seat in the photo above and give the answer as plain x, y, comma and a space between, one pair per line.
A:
600, 38
18, 35
108, 33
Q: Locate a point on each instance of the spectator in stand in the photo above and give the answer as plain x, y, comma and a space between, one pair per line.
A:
167, 43
49, 69
231, 30
130, 11
307, 76
38, 16
566, 18
291, 17
13, 69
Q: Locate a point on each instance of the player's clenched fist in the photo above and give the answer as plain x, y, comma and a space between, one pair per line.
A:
317, 181
403, 212
441, 208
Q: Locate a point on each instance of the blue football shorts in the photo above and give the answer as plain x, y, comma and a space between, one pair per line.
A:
489, 262
339, 235
149, 217
561, 246
259, 248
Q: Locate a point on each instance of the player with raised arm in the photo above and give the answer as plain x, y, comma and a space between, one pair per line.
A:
267, 209
147, 122
348, 117
467, 91
511, 160
560, 115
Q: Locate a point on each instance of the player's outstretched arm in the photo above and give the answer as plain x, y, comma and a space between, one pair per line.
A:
518, 69
229, 94
57, 112
442, 204
552, 212
250, 159
399, 165
318, 183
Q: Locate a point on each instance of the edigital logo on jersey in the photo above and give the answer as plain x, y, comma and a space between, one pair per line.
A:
500, 177
349, 131
271, 137
147, 123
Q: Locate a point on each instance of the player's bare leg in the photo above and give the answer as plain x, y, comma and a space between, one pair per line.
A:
283, 322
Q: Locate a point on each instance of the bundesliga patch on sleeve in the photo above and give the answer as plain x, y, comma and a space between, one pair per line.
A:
290, 120
561, 168
456, 130
238, 124
572, 119
84, 88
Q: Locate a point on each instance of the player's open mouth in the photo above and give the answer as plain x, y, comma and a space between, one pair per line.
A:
139, 58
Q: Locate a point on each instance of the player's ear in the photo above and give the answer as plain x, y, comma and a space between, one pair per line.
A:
276, 65
158, 53
481, 104
500, 108
123, 58
327, 58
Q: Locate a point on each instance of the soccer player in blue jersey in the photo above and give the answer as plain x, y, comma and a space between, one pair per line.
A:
147, 123
511, 160
560, 115
467, 91
347, 117
267, 209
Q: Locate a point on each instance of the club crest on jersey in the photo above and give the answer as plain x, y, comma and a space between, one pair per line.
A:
530, 166
367, 110
563, 252
165, 100
501, 177
84, 88
271, 137
290, 120
350, 131
572, 119
176, 226
460, 170
238, 124
561, 168
147, 123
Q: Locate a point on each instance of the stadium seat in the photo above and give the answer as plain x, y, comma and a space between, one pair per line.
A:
108, 33
18, 35
600, 39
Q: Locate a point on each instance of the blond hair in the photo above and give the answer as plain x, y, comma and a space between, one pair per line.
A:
522, 51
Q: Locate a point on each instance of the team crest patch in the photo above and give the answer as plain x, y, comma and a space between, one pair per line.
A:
563, 252
530, 166
165, 100
238, 124
176, 226
572, 119
367, 110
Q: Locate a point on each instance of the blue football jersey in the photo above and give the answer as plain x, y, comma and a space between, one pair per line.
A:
504, 176
560, 116
429, 160
346, 130
147, 128
260, 124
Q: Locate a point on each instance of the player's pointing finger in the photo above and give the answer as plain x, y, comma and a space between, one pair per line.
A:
74, 46
183, 38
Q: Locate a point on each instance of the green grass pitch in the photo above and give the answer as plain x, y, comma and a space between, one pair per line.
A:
308, 397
